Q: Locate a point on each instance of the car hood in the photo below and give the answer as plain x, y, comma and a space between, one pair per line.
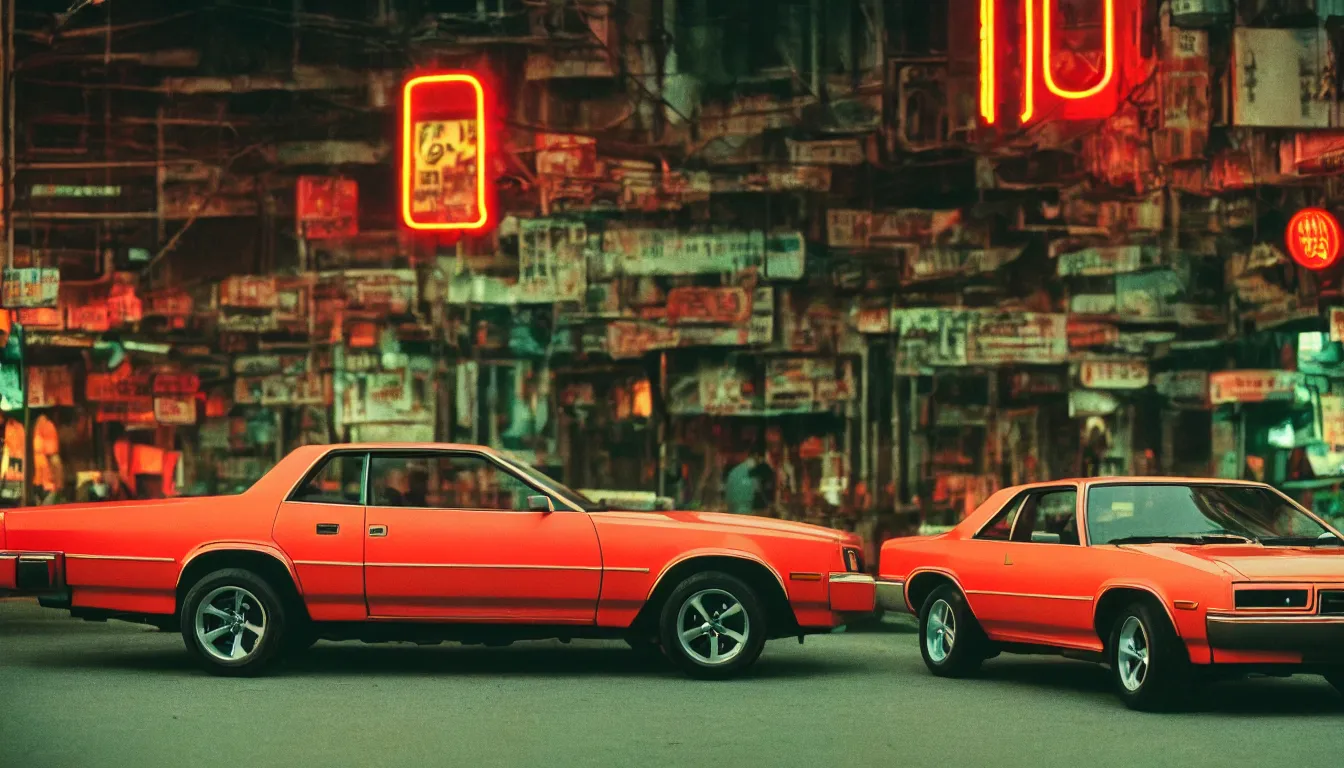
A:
746, 524
1257, 563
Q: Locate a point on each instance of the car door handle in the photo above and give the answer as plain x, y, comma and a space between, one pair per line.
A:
377, 530
328, 529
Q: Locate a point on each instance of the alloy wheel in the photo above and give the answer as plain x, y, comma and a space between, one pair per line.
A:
713, 627
230, 624
940, 632
1132, 654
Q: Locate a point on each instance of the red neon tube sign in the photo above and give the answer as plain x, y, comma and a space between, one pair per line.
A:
445, 145
1038, 51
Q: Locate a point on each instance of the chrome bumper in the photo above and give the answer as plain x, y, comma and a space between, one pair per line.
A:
891, 596
852, 593
1306, 633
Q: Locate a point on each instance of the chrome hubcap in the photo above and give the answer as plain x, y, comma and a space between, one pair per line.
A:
713, 627
940, 632
230, 624
1132, 654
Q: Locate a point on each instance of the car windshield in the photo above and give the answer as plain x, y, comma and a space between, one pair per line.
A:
537, 477
1198, 514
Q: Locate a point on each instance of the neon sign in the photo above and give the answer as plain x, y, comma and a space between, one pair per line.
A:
1040, 51
1313, 238
445, 148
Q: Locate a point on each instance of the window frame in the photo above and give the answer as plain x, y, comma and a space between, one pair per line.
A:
559, 502
1214, 483
1015, 503
320, 465
1078, 515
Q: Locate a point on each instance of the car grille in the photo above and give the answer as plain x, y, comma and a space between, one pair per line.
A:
1332, 602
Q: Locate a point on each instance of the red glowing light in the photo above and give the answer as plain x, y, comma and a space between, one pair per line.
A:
1039, 40
445, 153
1313, 238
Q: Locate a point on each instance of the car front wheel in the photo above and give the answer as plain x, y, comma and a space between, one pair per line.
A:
233, 622
713, 626
1149, 664
950, 639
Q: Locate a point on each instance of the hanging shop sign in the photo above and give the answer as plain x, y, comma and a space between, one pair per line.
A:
307, 389
1189, 388
445, 151
720, 306
873, 316
552, 261
1085, 333
880, 229
386, 291
1314, 238
327, 207
120, 386
627, 339
807, 385
1074, 58
130, 413
176, 385
1085, 402
1106, 261
1337, 323
1113, 374
931, 338
178, 411
247, 292
1280, 77
234, 321
30, 287
50, 386
827, 152
939, 263
650, 252
725, 390
123, 305
1252, 386
1000, 338
42, 318
175, 304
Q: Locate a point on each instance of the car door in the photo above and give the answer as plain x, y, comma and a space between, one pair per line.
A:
321, 527
1042, 590
450, 535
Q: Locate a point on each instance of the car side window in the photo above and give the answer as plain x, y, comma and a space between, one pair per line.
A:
338, 481
445, 481
1049, 518
1001, 527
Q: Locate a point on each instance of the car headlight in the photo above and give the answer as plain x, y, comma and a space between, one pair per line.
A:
853, 560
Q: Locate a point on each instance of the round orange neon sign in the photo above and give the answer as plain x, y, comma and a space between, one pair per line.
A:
1313, 238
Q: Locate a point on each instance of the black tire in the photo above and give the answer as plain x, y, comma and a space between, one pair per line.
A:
968, 646
717, 593
260, 601
1162, 680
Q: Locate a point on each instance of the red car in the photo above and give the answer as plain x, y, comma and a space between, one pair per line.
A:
1159, 578
427, 543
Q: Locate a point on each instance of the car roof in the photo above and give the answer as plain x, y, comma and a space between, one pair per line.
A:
409, 447
1139, 480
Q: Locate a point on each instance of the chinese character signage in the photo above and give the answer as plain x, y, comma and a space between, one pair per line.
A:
444, 154
328, 207
31, 287
1313, 238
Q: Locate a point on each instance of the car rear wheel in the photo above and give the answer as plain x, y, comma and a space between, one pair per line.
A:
713, 626
234, 623
950, 639
1149, 663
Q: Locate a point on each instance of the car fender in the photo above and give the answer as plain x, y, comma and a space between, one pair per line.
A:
259, 547
910, 577
740, 554
1144, 586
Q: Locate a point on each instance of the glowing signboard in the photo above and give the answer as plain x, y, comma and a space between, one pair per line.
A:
444, 154
1313, 238
1066, 72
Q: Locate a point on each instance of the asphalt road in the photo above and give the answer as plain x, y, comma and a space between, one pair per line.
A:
75, 694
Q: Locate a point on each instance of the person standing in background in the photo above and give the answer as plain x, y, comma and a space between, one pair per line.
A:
742, 487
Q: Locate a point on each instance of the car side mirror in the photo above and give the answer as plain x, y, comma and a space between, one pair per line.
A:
1326, 535
1045, 538
540, 504
664, 504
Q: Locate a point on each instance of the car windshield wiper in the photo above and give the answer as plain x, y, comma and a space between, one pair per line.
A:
1201, 538
1327, 540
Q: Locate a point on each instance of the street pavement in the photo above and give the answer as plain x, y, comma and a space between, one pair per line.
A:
77, 694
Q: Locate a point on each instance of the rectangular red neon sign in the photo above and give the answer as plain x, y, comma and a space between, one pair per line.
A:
1063, 73
445, 154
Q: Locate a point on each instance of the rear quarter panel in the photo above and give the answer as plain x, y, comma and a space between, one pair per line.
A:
127, 556
906, 557
639, 548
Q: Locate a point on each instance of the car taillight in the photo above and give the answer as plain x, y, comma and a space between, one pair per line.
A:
853, 561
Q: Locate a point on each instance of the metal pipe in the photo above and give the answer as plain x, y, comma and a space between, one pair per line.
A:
98, 164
